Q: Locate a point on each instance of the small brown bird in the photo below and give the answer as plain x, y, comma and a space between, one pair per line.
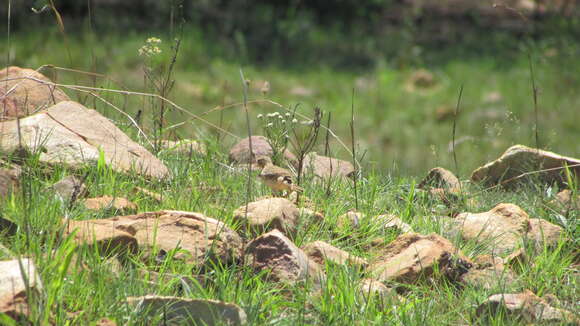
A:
275, 177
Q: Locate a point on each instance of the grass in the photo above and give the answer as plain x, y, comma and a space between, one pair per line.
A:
397, 129
400, 129
98, 291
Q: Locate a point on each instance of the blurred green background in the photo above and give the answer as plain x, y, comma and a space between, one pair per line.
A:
406, 61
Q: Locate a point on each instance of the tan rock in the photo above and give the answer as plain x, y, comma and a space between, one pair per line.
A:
25, 91
440, 178
369, 287
488, 273
103, 234
391, 221
69, 133
185, 311
520, 159
240, 152
544, 233
412, 256
268, 214
108, 202
15, 275
284, 261
527, 306
69, 188
199, 237
565, 201
9, 181
420, 80
501, 229
327, 167
321, 252
185, 147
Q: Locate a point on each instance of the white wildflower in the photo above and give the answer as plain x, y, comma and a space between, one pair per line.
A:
294, 120
283, 121
288, 114
260, 116
269, 125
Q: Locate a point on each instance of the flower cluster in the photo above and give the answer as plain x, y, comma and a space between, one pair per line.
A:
151, 47
277, 128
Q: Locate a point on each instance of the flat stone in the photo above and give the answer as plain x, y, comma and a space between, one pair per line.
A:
391, 221
13, 286
412, 256
108, 202
185, 311
520, 159
565, 201
369, 287
327, 167
544, 233
73, 135
526, 306
240, 152
198, 237
283, 260
501, 229
321, 252
268, 214
25, 91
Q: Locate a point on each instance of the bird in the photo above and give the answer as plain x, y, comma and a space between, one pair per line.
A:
275, 177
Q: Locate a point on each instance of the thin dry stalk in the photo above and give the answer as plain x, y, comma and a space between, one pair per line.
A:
456, 113
354, 161
535, 96
245, 90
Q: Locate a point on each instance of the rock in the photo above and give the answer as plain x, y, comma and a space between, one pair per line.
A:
69, 133
183, 282
284, 261
488, 273
321, 252
198, 237
544, 233
184, 311
526, 306
21, 95
501, 228
108, 202
311, 215
69, 188
369, 287
103, 234
185, 147
240, 152
268, 214
412, 256
350, 219
393, 222
440, 178
520, 159
565, 201
13, 286
7, 227
420, 80
326, 167
105, 322
9, 181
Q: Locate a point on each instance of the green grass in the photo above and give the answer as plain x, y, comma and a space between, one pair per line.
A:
397, 128
98, 292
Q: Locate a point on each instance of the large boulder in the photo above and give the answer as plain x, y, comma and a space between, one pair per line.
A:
413, 256
185, 311
69, 133
240, 152
157, 233
16, 279
518, 160
25, 91
275, 253
268, 214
